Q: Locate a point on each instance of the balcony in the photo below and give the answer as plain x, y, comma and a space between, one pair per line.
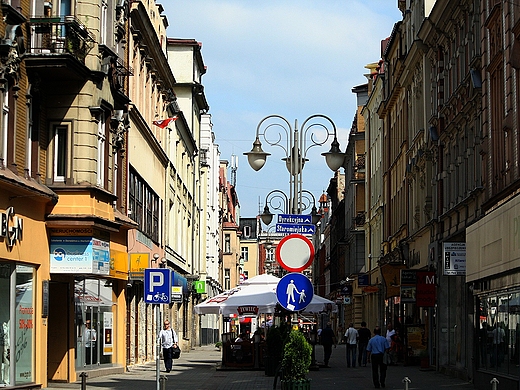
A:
57, 45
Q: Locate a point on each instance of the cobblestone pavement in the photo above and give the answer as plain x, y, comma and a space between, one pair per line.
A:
197, 370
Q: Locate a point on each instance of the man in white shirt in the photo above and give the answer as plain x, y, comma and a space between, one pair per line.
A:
90, 337
351, 337
168, 339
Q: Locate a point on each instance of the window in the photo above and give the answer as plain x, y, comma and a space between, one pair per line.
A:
227, 243
269, 255
227, 277
60, 153
498, 332
4, 128
144, 206
101, 145
245, 253
103, 23
247, 231
17, 333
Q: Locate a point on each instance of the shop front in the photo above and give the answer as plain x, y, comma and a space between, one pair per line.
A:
90, 270
24, 255
493, 276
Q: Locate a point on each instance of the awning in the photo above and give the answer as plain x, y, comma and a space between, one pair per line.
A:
179, 280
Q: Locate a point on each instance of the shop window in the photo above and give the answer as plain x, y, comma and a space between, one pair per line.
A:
17, 348
498, 332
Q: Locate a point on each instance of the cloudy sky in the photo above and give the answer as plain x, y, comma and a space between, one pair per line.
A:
294, 58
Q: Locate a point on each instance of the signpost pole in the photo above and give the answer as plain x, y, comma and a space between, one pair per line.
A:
158, 349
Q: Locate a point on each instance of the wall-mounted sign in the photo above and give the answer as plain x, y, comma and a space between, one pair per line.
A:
138, 263
454, 258
79, 255
11, 227
177, 294
199, 286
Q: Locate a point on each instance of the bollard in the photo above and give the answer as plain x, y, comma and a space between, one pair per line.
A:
494, 384
83, 377
406, 380
162, 382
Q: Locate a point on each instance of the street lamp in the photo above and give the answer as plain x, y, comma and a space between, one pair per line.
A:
279, 201
295, 148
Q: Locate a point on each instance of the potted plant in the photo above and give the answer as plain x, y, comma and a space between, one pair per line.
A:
295, 362
218, 345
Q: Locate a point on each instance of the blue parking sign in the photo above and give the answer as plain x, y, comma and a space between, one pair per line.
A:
157, 285
294, 291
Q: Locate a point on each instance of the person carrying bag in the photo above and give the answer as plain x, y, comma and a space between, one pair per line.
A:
168, 339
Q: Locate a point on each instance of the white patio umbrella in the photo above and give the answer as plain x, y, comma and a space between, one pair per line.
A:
260, 292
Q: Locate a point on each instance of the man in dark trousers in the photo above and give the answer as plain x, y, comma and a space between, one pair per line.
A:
364, 335
327, 339
376, 348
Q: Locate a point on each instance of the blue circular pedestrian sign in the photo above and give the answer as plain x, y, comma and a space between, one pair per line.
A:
294, 291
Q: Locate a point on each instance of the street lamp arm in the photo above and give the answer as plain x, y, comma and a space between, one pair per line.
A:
257, 157
309, 126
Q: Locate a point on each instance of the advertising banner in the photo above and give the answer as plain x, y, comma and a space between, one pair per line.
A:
79, 255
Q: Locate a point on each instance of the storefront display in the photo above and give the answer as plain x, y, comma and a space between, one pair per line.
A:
16, 334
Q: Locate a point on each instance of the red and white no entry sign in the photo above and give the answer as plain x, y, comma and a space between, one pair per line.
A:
295, 252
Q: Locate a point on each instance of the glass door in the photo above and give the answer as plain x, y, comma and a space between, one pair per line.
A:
93, 322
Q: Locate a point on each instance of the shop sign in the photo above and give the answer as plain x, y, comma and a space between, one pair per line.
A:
408, 294
138, 263
454, 258
177, 294
11, 227
199, 286
79, 255
426, 291
242, 310
362, 280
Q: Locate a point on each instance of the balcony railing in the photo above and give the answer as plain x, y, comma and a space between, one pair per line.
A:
59, 35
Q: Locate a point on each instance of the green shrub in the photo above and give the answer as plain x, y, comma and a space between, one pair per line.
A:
297, 357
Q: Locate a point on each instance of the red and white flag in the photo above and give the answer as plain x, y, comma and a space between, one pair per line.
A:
162, 123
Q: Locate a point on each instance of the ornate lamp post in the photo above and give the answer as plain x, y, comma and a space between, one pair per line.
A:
278, 201
296, 147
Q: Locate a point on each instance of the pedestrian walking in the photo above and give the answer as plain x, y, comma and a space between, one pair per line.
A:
376, 348
327, 340
168, 339
351, 338
364, 336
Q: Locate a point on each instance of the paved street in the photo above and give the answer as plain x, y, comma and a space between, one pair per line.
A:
196, 370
